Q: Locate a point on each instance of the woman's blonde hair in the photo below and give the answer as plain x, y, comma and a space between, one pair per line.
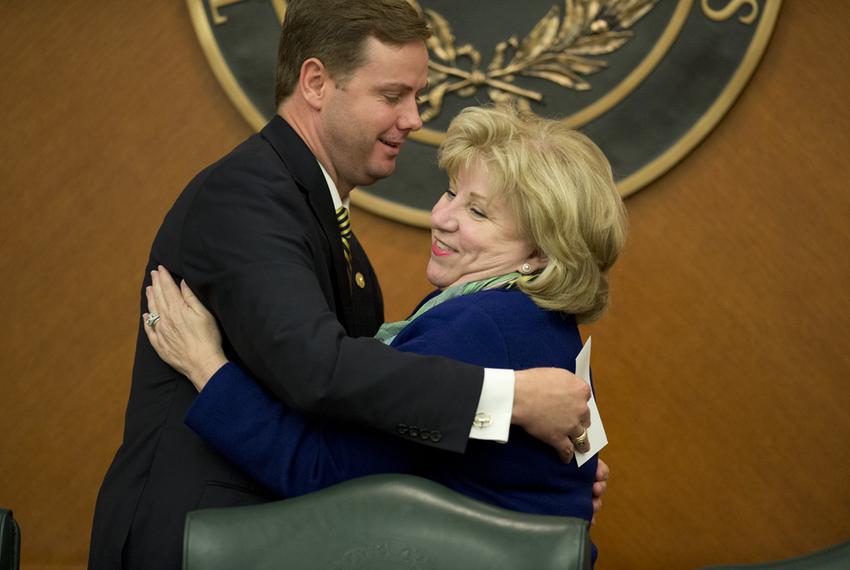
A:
560, 187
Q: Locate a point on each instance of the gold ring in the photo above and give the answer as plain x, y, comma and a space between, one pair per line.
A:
581, 440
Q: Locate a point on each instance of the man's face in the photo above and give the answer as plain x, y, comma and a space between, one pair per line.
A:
366, 119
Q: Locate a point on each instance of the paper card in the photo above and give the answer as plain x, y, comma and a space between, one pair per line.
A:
596, 432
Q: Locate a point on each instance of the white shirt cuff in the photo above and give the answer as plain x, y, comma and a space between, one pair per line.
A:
495, 407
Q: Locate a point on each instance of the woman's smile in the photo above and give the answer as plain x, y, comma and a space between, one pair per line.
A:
440, 249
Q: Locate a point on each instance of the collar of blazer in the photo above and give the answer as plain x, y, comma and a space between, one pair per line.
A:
304, 169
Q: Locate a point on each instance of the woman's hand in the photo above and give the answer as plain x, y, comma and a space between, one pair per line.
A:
599, 487
185, 335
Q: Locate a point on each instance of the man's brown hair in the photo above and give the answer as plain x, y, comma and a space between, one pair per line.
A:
334, 31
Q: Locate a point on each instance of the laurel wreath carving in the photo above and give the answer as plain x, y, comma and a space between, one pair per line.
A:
563, 47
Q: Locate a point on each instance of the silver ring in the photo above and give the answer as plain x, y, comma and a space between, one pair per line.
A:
581, 440
152, 319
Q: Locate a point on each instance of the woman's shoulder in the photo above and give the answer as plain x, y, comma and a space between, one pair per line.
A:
501, 304
510, 311
529, 336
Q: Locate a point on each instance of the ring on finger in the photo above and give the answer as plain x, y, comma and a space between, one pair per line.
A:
152, 319
581, 440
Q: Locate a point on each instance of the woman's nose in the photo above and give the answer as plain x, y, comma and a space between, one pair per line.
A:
442, 215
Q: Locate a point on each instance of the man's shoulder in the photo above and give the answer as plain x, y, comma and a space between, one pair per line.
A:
248, 188
251, 173
253, 159
273, 164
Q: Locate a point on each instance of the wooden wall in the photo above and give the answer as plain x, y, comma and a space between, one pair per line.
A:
722, 368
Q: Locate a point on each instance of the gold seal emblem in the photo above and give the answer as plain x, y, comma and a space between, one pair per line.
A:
647, 80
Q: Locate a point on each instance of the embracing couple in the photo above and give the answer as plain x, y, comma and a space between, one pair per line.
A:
301, 383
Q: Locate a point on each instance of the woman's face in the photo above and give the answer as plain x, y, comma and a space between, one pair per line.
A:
473, 234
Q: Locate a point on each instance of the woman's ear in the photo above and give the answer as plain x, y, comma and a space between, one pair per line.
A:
538, 260
313, 82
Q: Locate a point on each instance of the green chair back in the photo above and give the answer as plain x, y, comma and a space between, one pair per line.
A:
836, 557
382, 522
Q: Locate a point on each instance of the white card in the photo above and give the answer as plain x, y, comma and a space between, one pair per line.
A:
596, 432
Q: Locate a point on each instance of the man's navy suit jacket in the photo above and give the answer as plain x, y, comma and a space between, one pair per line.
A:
256, 238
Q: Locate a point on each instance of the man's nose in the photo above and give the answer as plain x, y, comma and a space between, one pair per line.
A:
409, 120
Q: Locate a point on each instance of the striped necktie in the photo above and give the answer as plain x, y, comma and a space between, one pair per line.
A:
345, 234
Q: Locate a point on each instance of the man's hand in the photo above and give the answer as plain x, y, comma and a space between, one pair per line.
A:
551, 405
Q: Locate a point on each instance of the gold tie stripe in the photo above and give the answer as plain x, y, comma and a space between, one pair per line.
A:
345, 235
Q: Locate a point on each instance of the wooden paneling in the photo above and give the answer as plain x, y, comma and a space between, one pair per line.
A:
722, 368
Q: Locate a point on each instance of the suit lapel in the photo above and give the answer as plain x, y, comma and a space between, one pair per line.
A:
304, 168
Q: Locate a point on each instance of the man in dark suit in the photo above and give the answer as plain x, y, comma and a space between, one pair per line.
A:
256, 235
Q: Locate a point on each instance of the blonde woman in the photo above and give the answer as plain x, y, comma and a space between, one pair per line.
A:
522, 241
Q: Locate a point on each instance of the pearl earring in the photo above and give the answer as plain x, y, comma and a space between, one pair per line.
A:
525, 269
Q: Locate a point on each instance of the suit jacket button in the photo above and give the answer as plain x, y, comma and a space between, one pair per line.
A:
425, 434
413, 431
401, 428
360, 280
436, 435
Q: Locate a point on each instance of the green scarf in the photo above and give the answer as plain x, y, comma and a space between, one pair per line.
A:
388, 331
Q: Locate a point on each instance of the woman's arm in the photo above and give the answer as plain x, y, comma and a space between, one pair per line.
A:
291, 453
288, 452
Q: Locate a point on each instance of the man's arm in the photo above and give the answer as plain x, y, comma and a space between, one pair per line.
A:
254, 253
551, 405
252, 259
294, 454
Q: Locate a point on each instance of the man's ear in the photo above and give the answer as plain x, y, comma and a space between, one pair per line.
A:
313, 82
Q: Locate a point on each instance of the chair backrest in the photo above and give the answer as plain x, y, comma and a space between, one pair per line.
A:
10, 541
836, 557
382, 522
